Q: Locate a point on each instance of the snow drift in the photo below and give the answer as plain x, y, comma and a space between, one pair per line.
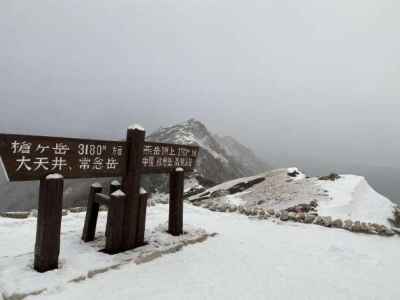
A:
351, 197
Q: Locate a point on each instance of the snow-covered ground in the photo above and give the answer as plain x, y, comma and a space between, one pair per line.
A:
247, 259
78, 261
351, 197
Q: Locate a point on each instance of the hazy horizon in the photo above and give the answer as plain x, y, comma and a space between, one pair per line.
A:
289, 79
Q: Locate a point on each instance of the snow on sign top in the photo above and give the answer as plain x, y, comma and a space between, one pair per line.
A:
97, 185
136, 127
54, 176
118, 193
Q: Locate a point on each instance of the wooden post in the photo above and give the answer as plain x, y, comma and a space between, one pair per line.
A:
115, 185
141, 228
176, 185
89, 229
47, 246
131, 185
115, 222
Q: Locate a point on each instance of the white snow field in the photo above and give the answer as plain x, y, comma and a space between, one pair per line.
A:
351, 197
247, 259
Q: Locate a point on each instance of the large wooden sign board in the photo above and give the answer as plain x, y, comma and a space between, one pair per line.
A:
26, 157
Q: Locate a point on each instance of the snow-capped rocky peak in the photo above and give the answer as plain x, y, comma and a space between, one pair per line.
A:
216, 161
191, 132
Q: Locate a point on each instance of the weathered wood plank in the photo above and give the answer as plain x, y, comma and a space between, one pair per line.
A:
131, 186
47, 246
92, 211
176, 186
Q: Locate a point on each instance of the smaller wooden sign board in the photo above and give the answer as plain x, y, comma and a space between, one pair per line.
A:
165, 158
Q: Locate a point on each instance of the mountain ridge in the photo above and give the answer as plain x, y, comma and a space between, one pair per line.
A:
220, 158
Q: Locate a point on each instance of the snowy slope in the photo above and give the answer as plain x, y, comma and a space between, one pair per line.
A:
351, 197
248, 259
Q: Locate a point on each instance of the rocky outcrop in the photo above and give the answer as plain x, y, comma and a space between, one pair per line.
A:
310, 217
194, 191
237, 188
16, 215
396, 214
331, 177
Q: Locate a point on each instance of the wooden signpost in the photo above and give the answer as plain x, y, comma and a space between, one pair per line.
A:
51, 159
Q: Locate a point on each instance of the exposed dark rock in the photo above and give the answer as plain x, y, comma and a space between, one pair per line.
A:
356, 227
284, 215
365, 228
380, 229
332, 177
348, 224
303, 207
77, 209
396, 230
300, 217
309, 218
388, 232
16, 215
237, 188
205, 182
396, 214
242, 186
219, 193
293, 173
338, 223
292, 216
327, 221
318, 221
194, 191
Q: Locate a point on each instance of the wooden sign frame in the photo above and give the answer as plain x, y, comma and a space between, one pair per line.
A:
51, 159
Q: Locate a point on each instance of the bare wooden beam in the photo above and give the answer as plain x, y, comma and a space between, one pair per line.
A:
176, 185
47, 246
131, 185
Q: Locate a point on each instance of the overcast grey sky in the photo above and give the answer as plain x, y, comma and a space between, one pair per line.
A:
288, 78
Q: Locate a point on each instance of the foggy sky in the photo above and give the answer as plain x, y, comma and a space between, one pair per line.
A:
290, 79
